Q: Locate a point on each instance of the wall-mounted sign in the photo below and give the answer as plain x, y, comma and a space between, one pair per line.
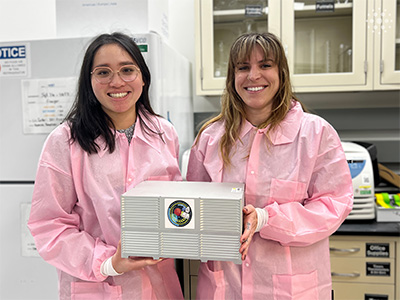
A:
14, 60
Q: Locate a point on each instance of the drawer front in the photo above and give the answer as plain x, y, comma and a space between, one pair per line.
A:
362, 291
363, 270
345, 248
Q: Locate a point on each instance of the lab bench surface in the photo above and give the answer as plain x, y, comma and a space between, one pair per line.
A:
369, 227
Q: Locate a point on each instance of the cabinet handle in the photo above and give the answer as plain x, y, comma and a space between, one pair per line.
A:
345, 274
351, 250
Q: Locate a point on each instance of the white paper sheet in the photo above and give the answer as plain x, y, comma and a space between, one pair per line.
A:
46, 102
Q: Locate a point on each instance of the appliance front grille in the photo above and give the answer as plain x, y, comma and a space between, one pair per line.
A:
220, 215
363, 208
136, 212
179, 244
219, 247
141, 243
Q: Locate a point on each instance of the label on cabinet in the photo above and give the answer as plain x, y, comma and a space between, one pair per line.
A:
378, 269
376, 297
377, 250
253, 10
325, 6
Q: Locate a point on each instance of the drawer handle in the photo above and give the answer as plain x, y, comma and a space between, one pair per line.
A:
345, 274
352, 250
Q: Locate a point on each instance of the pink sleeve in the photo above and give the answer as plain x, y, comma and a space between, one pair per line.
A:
196, 169
55, 226
330, 200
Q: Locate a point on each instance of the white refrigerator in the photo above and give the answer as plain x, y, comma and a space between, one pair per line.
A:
37, 86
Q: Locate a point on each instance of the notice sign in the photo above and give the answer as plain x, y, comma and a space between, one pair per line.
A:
13, 60
46, 102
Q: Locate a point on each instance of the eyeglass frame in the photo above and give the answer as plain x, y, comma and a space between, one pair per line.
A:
113, 73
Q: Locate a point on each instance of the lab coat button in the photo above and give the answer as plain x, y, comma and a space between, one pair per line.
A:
129, 179
247, 265
252, 172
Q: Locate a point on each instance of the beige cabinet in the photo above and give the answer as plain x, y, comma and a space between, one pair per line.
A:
365, 267
361, 266
355, 47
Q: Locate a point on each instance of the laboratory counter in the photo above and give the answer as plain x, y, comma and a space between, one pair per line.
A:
369, 227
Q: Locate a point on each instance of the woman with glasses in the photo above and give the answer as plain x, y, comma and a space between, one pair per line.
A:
298, 184
111, 140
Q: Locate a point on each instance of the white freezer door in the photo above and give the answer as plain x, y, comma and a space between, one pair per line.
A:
22, 277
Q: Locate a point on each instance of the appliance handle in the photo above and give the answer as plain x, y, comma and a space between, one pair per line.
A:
351, 250
345, 274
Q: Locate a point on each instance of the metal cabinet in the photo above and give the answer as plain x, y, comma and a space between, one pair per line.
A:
365, 267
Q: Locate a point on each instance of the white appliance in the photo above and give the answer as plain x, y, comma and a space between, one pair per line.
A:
361, 169
183, 219
24, 275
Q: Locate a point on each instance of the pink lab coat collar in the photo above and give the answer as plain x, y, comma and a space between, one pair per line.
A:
286, 131
138, 134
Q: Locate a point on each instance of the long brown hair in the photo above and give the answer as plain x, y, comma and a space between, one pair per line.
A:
232, 105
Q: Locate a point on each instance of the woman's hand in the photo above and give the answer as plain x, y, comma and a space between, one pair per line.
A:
250, 224
122, 265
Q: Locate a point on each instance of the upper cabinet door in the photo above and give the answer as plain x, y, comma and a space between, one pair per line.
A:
331, 46
218, 24
386, 26
326, 44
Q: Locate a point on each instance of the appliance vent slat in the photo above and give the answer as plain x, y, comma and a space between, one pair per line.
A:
133, 213
220, 215
185, 245
211, 246
140, 243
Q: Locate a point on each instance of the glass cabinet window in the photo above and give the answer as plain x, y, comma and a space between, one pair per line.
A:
323, 37
232, 18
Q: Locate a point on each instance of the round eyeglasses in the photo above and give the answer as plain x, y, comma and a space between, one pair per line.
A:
104, 75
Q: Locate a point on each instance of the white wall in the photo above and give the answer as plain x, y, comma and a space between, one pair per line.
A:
36, 19
27, 20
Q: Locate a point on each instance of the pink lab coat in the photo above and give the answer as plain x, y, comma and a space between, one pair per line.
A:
75, 215
303, 181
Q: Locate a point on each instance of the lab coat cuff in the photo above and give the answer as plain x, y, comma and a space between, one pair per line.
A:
262, 218
107, 268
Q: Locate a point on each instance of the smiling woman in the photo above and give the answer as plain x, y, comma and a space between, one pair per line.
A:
108, 143
298, 183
